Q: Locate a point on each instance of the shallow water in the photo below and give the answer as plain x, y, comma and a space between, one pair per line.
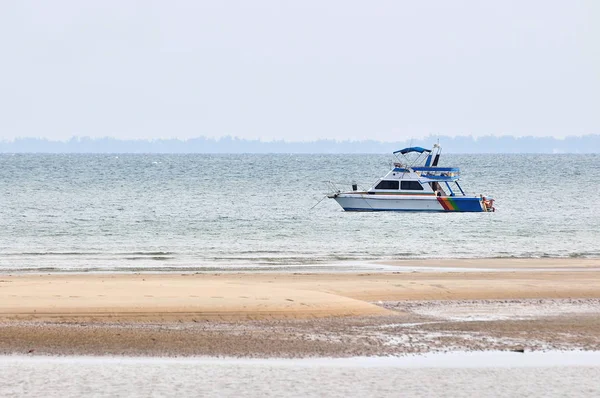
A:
213, 212
485, 374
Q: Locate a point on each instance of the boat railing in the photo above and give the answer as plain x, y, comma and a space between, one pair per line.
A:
332, 187
435, 169
353, 185
438, 172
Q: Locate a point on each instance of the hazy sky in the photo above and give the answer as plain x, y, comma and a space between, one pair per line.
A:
298, 70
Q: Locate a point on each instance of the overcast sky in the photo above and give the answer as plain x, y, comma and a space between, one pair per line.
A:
301, 70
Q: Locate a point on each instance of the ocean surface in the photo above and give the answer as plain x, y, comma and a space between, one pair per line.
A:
136, 212
482, 374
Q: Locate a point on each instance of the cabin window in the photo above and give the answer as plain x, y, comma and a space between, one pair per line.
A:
411, 186
386, 184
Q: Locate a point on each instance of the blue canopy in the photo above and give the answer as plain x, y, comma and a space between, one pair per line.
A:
440, 169
412, 149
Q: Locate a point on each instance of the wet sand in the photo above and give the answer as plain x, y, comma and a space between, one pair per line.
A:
542, 305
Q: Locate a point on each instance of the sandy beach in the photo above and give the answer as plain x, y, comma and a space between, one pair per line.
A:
500, 304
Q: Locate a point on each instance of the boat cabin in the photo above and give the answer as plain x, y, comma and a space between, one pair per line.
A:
424, 180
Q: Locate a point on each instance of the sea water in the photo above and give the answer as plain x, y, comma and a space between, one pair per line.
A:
483, 374
136, 212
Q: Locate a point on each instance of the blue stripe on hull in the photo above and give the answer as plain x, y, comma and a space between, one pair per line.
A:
467, 204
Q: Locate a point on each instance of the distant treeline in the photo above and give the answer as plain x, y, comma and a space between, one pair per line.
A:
460, 144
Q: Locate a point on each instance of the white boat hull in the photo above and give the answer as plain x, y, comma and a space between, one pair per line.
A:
370, 202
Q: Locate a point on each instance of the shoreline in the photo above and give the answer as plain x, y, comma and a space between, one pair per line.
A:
451, 360
543, 305
489, 264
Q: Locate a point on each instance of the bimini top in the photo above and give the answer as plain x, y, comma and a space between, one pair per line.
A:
412, 149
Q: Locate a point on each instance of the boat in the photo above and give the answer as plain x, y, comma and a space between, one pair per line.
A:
406, 187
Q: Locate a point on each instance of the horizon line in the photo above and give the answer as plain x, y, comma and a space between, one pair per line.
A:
283, 140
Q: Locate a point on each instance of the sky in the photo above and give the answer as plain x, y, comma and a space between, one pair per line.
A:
298, 70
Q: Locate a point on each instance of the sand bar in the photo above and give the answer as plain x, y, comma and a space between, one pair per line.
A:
536, 305
270, 295
166, 297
